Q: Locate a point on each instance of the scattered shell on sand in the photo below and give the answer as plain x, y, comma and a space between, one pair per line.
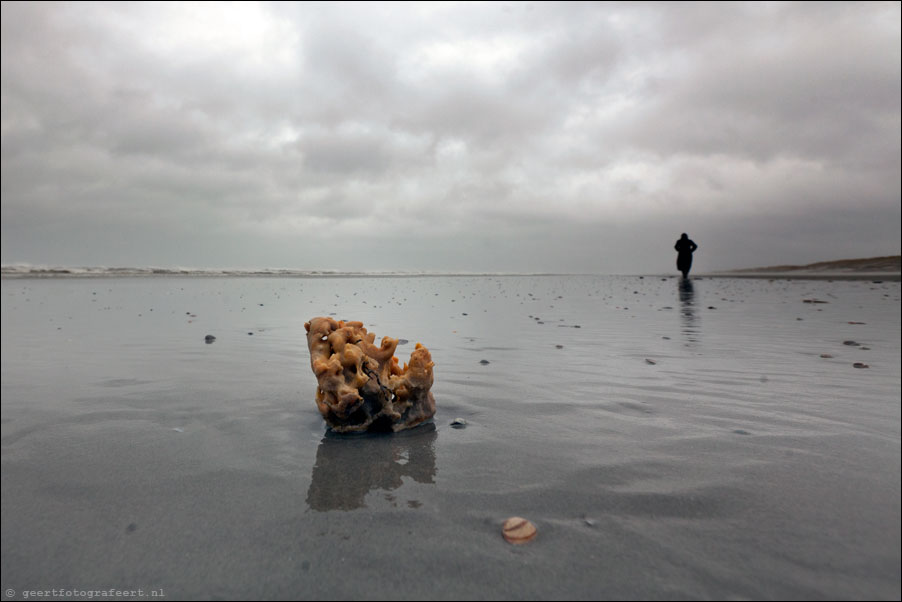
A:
518, 530
458, 423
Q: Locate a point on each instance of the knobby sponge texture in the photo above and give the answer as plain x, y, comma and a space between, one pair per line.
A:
363, 387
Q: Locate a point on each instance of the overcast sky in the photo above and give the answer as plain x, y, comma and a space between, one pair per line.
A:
449, 136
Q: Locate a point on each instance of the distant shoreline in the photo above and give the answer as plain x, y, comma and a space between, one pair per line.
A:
17, 272
873, 268
888, 267
886, 263
873, 276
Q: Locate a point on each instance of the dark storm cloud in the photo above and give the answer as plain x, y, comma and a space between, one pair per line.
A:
553, 136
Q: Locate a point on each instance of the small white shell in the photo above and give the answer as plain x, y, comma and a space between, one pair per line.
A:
517, 530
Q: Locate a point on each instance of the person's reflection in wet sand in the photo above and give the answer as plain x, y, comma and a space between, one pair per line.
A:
348, 467
687, 310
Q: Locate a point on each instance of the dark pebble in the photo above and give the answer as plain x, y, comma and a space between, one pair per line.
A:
650, 362
483, 362
860, 365
851, 343
209, 339
559, 346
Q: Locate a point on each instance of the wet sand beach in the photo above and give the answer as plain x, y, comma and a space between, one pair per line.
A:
717, 438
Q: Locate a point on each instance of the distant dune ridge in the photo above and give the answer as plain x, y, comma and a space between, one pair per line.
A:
889, 263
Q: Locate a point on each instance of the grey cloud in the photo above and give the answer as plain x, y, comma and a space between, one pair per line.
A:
550, 136
769, 84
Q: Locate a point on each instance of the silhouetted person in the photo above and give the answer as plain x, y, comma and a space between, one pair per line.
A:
685, 248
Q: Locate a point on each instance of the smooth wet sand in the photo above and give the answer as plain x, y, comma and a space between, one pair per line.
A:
668, 441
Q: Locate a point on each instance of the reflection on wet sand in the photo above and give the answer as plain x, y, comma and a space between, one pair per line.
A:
348, 467
687, 310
